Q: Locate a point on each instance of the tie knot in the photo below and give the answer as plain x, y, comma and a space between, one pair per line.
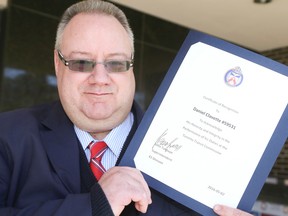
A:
97, 149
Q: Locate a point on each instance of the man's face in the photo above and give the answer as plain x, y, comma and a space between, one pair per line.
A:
95, 101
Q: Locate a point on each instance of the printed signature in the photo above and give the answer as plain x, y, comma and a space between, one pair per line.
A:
169, 146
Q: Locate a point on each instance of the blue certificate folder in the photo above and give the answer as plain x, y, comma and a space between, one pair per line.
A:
272, 149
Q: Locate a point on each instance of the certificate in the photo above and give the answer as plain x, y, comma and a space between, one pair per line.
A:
215, 126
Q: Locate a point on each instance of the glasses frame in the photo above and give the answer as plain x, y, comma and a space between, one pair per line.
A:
67, 63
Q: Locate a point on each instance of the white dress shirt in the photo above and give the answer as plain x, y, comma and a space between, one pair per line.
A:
115, 141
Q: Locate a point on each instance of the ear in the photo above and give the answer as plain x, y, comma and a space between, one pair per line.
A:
56, 62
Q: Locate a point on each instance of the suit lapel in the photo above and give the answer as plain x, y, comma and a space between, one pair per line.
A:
61, 144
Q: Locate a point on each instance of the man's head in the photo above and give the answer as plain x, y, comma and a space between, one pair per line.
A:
93, 7
96, 97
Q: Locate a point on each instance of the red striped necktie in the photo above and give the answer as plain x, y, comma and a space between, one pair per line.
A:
97, 150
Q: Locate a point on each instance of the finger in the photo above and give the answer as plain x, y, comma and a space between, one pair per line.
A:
223, 210
142, 206
122, 185
140, 185
141, 196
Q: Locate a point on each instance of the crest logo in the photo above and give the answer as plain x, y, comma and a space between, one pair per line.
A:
234, 77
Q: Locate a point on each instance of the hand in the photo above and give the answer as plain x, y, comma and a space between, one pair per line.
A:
122, 185
223, 210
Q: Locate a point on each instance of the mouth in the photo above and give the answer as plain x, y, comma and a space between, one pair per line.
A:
97, 92
98, 95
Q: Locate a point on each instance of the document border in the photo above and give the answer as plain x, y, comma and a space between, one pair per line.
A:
270, 154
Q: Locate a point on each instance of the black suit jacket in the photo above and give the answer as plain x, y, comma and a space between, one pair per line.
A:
42, 173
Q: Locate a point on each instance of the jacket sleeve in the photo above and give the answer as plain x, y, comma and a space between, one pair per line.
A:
99, 202
49, 202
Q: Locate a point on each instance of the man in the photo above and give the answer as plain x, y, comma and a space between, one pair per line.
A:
44, 150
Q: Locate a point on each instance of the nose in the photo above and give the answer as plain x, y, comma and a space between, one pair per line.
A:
99, 75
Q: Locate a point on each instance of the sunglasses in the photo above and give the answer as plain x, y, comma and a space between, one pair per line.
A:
79, 65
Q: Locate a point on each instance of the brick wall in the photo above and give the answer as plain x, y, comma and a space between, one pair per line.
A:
280, 55
280, 169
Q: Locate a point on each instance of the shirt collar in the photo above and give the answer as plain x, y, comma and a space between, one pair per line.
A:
115, 139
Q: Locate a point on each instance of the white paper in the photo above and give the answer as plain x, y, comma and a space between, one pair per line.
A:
207, 136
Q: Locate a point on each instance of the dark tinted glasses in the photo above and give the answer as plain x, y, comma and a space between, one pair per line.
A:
88, 65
